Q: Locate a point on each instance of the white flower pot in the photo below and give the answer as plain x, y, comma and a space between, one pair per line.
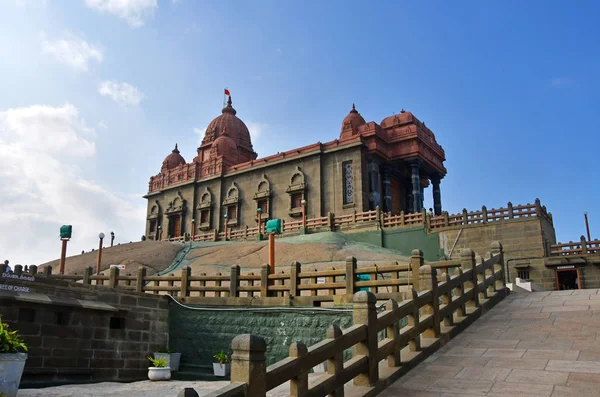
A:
11, 369
156, 373
221, 369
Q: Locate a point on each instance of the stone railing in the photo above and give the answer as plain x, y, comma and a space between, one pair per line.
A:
289, 285
581, 247
380, 219
436, 312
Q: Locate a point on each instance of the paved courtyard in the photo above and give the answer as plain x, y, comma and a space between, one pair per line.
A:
542, 344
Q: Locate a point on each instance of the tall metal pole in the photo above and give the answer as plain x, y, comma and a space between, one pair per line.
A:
112, 238
259, 213
63, 255
272, 252
101, 236
587, 226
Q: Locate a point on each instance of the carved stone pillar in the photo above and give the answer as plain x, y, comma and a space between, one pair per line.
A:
374, 194
416, 187
437, 195
387, 190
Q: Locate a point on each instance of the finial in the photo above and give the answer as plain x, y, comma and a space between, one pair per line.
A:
229, 100
403, 111
175, 150
353, 109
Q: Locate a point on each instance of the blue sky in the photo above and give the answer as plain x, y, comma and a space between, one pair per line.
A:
97, 92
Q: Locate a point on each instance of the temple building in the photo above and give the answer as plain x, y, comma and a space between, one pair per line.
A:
387, 165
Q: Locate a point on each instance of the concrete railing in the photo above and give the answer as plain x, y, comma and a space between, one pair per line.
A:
292, 285
436, 312
378, 218
582, 247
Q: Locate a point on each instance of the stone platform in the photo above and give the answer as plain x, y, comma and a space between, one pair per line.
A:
541, 344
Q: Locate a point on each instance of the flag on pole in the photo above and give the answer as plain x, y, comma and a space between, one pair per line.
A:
227, 92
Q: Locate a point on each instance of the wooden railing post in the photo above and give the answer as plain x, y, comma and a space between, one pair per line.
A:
465, 215
584, 250
365, 312
458, 292
113, 277
87, 272
425, 218
294, 280
248, 364
428, 282
378, 216
264, 281
299, 383
218, 283
414, 344
335, 364
392, 332
416, 261
354, 215
402, 219
139, 282
350, 275
186, 272
496, 250
234, 282
202, 284
446, 219
446, 300
511, 212
484, 215
331, 221
467, 262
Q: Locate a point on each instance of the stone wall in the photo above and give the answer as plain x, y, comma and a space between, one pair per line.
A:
78, 333
198, 335
520, 238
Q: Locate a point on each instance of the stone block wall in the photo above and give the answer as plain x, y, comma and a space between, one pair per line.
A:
198, 335
77, 333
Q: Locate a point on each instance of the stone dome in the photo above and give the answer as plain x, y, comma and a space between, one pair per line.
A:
236, 129
225, 146
398, 119
351, 123
173, 160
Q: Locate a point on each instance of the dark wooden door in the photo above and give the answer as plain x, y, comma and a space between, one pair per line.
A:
176, 226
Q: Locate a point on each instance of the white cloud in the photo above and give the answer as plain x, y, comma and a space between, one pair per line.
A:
200, 132
42, 148
133, 11
256, 130
120, 92
72, 51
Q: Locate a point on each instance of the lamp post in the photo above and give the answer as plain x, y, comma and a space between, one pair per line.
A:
226, 225
303, 202
258, 214
587, 226
193, 228
159, 233
65, 236
112, 238
101, 237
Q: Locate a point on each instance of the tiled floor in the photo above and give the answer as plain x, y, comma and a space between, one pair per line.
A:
543, 344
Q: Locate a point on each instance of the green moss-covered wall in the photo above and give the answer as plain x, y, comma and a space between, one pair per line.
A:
198, 335
403, 241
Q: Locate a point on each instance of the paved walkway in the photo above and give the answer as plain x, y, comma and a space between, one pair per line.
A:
542, 344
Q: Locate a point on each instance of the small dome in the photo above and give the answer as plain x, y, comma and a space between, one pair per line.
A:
173, 160
225, 146
398, 119
351, 123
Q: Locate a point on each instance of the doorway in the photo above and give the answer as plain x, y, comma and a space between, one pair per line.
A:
567, 279
175, 226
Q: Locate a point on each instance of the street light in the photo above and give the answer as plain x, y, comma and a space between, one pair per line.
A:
226, 225
258, 214
159, 232
112, 238
101, 237
303, 202
65, 236
193, 228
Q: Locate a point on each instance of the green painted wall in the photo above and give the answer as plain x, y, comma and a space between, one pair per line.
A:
402, 240
198, 335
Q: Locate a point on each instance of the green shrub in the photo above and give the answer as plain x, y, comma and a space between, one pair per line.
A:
10, 341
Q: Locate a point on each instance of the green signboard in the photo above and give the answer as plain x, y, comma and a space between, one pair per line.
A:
274, 226
65, 231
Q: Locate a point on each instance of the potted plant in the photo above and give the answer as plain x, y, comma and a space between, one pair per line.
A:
172, 358
222, 367
12, 360
160, 370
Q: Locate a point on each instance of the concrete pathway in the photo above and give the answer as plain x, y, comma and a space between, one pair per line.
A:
542, 344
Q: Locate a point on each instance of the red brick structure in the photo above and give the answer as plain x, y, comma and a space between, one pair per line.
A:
386, 165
